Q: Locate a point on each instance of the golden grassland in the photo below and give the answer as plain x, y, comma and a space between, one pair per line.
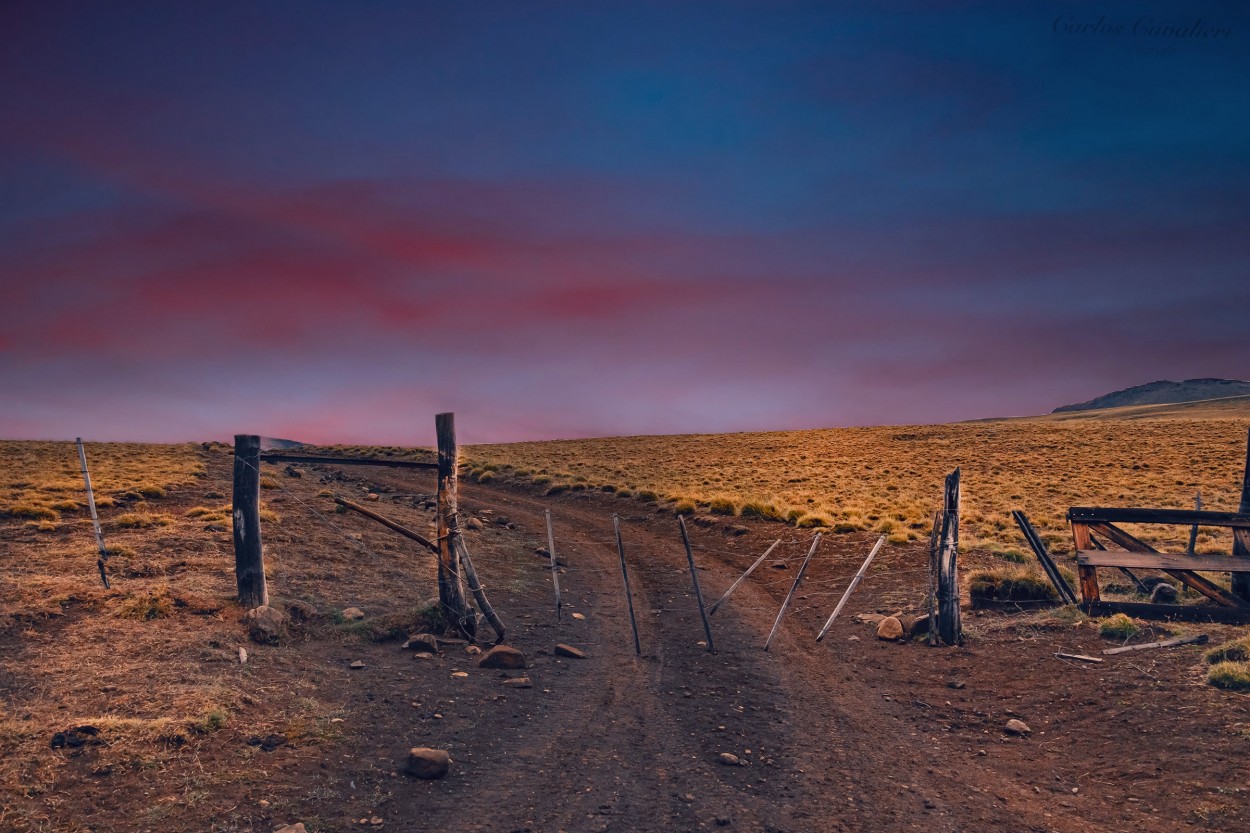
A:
889, 478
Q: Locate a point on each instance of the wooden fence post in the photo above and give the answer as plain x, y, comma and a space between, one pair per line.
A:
95, 519
555, 571
1241, 537
450, 588
793, 587
249, 560
949, 628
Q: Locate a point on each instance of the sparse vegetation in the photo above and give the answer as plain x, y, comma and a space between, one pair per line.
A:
1233, 676
1009, 585
1120, 626
1237, 650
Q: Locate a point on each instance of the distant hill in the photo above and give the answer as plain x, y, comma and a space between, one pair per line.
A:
1163, 393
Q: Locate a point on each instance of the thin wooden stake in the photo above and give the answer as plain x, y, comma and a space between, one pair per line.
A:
629, 597
1081, 657
388, 523
475, 587
854, 583
555, 572
712, 610
95, 519
933, 571
793, 587
694, 578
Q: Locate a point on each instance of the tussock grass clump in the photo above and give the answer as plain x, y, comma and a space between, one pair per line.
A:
684, 507
66, 505
268, 483
486, 477
208, 722
759, 509
32, 511
813, 521
1004, 585
647, 496
1232, 676
1238, 650
156, 603
1120, 626
843, 527
138, 520
722, 506
150, 490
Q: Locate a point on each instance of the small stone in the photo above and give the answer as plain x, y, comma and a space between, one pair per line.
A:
779, 565
423, 655
728, 759
474, 523
460, 674
372, 497
242, 655
472, 650
541, 552
852, 639
723, 821
1163, 594
956, 684
502, 656
890, 628
426, 642
869, 618
292, 828
357, 664
291, 471
214, 528
427, 763
502, 521
353, 614
266, 625
578, 616
563, 650
375, 821
1017, 727
517, 682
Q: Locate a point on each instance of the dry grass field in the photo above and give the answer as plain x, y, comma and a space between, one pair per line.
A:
889, 478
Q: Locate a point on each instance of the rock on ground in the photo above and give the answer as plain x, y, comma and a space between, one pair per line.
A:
563, 650
426, 642
292, 828
353, 614
518, 682
1017, 727
427, 763
890, 628
1163, 594
728, 759
266, 625
502, 656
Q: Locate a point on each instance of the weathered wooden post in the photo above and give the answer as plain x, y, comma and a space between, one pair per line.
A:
1241, 537
629, 596
450, 587
555, 570
249, 560
949, 628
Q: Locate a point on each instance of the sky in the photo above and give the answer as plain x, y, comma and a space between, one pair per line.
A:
330, 221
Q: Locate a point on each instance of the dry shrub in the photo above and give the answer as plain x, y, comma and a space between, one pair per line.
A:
155, 603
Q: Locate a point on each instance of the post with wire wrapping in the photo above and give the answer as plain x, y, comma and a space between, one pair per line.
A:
450, 586
249, 560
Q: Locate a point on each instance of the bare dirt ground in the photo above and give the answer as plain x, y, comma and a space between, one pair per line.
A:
853, 734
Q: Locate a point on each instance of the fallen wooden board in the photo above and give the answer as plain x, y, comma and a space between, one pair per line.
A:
1188, 613
1200, 639
1081, 657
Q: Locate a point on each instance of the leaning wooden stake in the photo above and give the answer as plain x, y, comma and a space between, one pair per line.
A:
388, 523
712, 610
793, 587
95, 519
1066, 594
694, 578
933, 544
849, 590
450, 588
629, 597
249, 560
555, 572
475, 587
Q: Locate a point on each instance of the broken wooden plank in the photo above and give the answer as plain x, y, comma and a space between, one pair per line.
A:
1200, 639
1186, 613
1103, 514
1081, 657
